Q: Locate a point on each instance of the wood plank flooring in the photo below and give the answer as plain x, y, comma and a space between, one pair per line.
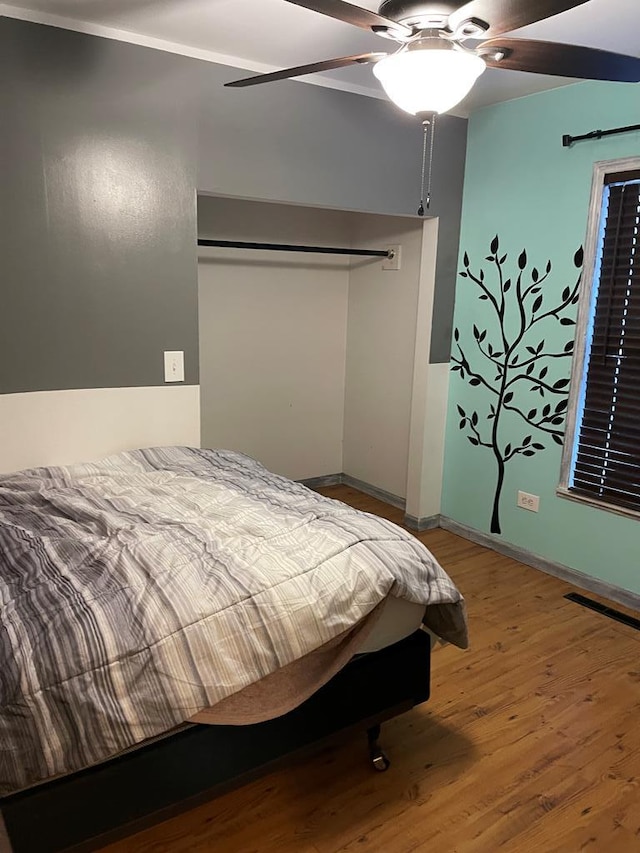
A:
530, 742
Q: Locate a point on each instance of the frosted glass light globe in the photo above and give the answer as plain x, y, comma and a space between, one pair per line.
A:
428, 80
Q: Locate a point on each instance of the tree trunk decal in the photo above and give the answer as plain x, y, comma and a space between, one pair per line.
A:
511, 360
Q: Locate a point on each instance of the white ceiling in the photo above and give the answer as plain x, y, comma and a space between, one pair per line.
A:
262, 35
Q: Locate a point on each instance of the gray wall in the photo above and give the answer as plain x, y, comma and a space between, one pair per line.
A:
102, 148
98, 212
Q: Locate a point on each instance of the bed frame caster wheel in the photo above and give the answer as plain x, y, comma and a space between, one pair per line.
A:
378, 758
380, 761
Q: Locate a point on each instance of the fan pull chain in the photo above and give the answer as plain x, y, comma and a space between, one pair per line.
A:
428, 123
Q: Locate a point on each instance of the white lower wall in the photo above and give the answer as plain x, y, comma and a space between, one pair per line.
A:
64, 427
425, 500
429, 396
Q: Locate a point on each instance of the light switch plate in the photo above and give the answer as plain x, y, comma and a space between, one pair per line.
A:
174, 366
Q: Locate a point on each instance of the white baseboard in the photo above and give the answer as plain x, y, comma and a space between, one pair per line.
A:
374, 491
429, 522
65, 427
360, 485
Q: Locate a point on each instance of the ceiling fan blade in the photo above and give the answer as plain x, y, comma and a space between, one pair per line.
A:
562, 60
355, 15
312, 68
506, 15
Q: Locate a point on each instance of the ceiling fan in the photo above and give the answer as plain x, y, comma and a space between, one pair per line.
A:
434, 67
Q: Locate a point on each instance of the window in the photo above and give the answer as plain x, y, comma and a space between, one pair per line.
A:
601, 461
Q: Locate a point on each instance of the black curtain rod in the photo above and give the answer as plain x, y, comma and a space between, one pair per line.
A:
284, 247
567, 140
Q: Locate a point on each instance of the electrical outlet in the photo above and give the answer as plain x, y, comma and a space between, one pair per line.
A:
393, 261
527, 501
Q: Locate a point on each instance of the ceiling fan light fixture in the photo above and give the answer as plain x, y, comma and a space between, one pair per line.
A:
429, 78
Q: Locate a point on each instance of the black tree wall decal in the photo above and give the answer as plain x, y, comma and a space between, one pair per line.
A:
514, 361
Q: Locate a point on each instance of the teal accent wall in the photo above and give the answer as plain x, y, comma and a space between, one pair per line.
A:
522, 185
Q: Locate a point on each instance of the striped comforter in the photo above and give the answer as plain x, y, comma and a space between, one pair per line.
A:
139, 589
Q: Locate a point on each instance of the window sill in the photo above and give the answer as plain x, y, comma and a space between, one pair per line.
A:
563, 492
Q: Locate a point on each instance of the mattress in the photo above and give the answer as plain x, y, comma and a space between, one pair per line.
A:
399, 619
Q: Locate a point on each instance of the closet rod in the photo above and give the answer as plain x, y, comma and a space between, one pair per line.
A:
284, 247
568, 140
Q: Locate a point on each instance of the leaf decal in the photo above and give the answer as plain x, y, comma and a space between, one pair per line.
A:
557, 439
473, 440
567, 321
495, 245
474, 381
561, 383
537, 303
522, 259
465, 260
578, 258
507, 286
461, 412
456, 335
535, 275
531, 414
508, 397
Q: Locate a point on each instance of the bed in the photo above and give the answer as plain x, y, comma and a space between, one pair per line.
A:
186, 617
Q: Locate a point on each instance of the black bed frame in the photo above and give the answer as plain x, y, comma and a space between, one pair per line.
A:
89, 809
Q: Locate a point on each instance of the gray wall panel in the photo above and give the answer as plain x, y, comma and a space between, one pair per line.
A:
98, 219
102, 148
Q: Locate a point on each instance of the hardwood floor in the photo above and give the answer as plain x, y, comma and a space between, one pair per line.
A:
530, 742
